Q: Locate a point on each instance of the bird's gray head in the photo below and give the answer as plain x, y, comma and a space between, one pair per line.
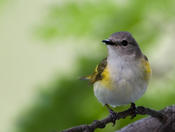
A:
123, 43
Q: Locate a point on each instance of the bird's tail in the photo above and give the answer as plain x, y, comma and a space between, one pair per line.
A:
86, 78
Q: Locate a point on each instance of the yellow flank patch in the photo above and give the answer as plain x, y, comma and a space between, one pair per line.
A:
106, 78
147, 69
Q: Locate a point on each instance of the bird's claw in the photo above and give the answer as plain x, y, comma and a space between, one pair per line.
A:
113, 114
114, 117
132, 110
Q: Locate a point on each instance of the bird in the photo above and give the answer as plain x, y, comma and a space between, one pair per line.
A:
123, 76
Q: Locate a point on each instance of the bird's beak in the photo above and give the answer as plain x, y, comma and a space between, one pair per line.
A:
108, 42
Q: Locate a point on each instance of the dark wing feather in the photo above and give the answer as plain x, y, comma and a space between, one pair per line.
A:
97, 75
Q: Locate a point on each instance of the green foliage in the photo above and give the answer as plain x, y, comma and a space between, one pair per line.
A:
69, 102
2, 3
97, 20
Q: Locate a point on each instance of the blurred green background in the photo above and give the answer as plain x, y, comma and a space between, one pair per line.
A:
47, 45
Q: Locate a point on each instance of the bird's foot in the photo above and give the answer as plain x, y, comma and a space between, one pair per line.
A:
132, 110
112, 113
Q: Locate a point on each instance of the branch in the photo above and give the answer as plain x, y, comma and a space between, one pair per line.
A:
150, 124
110, 119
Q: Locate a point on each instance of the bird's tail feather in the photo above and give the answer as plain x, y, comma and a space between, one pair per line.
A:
86, 78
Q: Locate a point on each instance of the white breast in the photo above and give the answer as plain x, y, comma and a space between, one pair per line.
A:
128, 82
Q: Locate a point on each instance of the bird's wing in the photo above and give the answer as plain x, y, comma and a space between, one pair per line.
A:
97, 75
147, 68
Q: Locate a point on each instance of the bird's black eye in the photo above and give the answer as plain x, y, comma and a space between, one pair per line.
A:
124, 42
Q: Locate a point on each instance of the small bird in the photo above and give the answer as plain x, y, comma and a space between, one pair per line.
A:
122, 77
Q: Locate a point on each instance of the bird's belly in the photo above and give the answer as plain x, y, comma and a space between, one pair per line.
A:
124, 88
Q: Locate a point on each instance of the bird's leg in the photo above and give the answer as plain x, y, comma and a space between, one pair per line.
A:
112, 113
132, 109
